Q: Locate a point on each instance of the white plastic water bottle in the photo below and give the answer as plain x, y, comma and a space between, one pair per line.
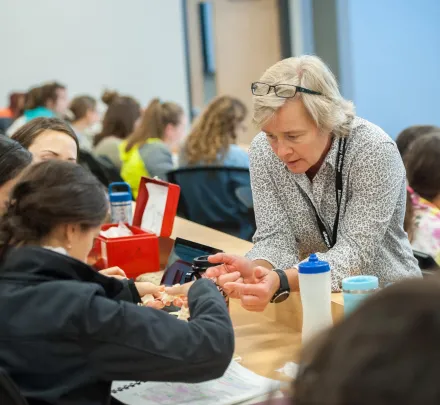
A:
120, 203
315, 289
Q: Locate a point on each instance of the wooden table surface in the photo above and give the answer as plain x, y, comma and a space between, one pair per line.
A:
267, 340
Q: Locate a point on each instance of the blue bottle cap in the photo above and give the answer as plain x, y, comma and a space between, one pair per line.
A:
359, 283
119, 196
313, 266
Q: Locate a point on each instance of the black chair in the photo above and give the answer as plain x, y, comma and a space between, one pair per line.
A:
9, 392
5, 123
217, 197
426, 263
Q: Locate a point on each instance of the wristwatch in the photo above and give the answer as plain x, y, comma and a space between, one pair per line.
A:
284, 291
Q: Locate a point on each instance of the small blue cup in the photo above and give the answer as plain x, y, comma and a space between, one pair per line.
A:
356, 289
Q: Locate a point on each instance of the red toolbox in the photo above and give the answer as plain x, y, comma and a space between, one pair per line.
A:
139, 253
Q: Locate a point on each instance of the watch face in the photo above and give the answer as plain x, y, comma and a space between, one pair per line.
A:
281, 297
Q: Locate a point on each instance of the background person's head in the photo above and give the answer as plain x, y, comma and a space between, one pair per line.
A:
385, 353
164, 121
56, 204
54, 97
16, 103
48, 138
13, 160
299, 129
120, 118
217, 128
410, 134
422, 161
33, 98
84, 111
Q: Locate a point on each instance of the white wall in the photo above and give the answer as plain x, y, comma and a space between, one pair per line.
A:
133, 46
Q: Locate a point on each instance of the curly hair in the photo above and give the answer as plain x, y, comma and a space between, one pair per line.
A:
215, 130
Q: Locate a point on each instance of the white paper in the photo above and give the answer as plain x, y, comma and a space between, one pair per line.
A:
116, 231
238, 384
290, 369
155, 208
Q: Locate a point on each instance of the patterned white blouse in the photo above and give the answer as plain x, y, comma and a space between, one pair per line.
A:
370, 238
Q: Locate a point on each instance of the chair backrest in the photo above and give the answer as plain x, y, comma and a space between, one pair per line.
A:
426, 263
9, 392
208, 196
5, 123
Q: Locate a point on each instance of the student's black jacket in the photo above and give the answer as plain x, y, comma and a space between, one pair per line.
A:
65, 335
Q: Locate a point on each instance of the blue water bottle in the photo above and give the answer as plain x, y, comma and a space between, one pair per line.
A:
356, 289
120, 203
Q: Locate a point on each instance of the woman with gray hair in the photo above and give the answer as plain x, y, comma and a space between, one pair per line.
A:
324, 181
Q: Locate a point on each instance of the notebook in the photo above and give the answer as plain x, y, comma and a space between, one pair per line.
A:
237, 385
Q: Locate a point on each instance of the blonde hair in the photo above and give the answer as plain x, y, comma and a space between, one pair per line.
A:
215, 130
154, 121
330, 111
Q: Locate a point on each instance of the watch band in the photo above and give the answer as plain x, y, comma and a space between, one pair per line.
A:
284, 291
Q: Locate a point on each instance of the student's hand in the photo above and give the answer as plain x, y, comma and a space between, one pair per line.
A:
179, 289
114, 272
233, 269
145, 288
255, 296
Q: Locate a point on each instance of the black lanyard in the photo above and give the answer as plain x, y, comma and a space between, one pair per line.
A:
339, 166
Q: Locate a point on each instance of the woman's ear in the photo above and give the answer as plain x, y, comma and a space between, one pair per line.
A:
71, 234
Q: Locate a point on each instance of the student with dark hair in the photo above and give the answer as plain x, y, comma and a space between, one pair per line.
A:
422, 161
48, 100
85, 115
13, 159
48, 138
385, 353
119, 122
147, 151
410, 134
65, 336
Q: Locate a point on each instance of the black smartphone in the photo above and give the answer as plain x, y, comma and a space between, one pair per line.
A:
181, 259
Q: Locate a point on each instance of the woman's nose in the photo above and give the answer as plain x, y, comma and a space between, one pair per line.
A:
283, 150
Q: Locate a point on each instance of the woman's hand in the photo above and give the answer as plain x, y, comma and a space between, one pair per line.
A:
233, 269
255, 296
114, 272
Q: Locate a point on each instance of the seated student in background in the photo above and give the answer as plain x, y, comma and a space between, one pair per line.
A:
119, 121
410, 134
85, 115
147, 151
13, 159
48, 138
64, 336
403, 142
422, 162
15, 108
213, 138
385, 353
49, 100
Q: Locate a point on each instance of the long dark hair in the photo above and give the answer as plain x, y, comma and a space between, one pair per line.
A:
385, 353
120, 117
27, 134
13, 159
49, 194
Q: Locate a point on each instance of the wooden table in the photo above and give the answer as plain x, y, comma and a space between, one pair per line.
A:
267, 340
